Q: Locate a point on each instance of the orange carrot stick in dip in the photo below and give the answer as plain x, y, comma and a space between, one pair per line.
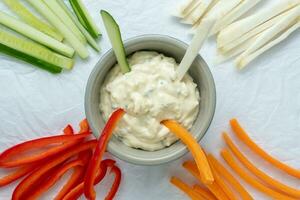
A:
257, 172
243, 136
195, 148
228, 157
214, 187
186, 189
204, 193
229, 177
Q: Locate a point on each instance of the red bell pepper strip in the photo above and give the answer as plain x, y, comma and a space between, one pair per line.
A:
6, 158
116, 170
26, 183
94, 164
22, 171
76, 192
68, 130
55, 176
77, 175
84, 126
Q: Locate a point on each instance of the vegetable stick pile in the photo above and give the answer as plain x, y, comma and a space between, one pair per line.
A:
245, 38
225, 186
45, 160
43, 45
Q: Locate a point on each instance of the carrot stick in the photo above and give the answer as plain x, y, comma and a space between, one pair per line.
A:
222, 184
186, 189
242, 135
257, 172
204, 193
214, 187
194, 147
229, 177
228, 157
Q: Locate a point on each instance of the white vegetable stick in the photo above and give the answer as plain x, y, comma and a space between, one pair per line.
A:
54, 6
196, 44
220, 9
185, 8
234, 14
197, 13
42, 8
242, 62
271, 33
222, 57
239, 28
255, 31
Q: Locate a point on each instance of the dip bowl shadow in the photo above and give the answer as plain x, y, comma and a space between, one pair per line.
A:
170, 47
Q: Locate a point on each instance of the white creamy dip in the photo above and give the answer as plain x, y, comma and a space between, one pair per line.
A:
149, 93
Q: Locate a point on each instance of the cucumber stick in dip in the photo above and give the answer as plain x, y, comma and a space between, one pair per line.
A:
85, 17
18, 8
35, 34
33, 53
71, 38
87, 35
55, 7
114, 34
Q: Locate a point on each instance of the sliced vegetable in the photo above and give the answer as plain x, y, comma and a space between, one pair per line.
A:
257, 172
241, 63
243, 136
16, 175
25, 185
214, 187
55, 7
197, 13
229, 177
250, 180
84, 126
35, 34
195, 149
185, 188
43, 9
87, 35
81, 11
233, 15
114, 34
32, 20
68, 130
116, 184
99, 151
239, 28
76, 192
204, 193
186, 8
8, 157
32, 53
211, 6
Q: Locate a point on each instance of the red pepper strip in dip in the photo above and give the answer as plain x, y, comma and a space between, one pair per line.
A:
22, 171
6, 158
68, 130
26, 183
94, 164
114, 189
55, 176
77, 175
76, 192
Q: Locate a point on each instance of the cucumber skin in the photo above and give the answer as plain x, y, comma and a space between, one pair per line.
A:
30, 59
105, 15
81, 16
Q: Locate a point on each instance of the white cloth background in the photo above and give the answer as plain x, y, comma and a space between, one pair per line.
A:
265, 98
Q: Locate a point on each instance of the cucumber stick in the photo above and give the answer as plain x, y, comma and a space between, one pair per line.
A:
33, 53
43, 9
35, 34
85, 17
17, 7
77, 13
54, 6
87, 35
114, 34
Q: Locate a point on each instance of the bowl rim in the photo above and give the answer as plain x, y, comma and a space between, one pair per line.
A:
183, 148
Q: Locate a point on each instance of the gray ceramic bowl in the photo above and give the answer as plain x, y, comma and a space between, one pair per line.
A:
170, 47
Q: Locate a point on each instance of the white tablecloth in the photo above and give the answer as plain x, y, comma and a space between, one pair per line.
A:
265, 98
